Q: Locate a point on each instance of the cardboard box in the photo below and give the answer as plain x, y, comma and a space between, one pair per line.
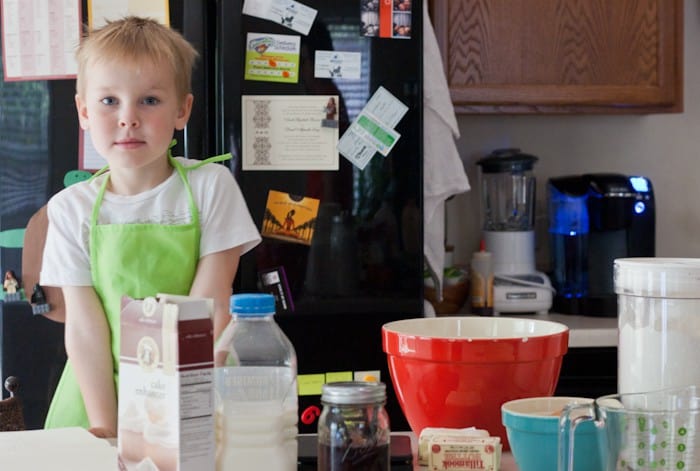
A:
166, 384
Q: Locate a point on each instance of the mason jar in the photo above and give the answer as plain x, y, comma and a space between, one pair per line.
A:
353, 429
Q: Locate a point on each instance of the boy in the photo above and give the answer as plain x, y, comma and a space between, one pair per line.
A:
151, 223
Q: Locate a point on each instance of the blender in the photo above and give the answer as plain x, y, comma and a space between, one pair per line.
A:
508, 212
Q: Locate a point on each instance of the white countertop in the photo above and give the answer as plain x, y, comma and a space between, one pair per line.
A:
584, 331
75, 448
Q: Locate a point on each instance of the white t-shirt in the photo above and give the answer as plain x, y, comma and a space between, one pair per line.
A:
224, 218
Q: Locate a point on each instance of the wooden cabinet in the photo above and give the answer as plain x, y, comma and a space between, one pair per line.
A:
562, 56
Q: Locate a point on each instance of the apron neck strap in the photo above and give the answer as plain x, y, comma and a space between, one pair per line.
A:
181, 170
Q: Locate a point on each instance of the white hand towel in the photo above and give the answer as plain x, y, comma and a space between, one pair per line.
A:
443, 171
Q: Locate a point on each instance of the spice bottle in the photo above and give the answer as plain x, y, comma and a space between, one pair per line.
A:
481, 282
353, 429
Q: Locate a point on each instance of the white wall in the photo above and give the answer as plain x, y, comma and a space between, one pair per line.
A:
663, 147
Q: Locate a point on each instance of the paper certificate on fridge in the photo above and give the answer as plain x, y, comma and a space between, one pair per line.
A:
289, 132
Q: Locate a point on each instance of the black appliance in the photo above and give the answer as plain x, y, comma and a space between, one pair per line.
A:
594, 219
365, 263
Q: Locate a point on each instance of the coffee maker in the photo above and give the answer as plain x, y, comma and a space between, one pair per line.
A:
508, 204
594, 219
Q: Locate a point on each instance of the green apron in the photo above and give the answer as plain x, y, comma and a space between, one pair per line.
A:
136, 260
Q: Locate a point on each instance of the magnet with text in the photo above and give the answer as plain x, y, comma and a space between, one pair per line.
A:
288, 13
272, 57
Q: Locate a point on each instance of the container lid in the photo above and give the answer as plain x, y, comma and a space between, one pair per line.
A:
507, 160
353, 392
658, 277
252, 304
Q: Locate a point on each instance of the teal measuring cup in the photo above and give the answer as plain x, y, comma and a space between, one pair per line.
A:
648, 431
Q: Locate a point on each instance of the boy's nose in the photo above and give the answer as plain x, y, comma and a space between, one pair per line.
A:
128, 119
129, 122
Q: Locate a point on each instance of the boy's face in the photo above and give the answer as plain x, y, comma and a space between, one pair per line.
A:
131, 111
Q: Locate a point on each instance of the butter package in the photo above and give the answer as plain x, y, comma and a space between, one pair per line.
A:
464, 454
166, 384
428, 433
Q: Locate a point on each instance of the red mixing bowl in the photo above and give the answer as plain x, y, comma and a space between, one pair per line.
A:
456, 372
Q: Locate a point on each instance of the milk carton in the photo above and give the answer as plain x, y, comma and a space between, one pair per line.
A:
166, 384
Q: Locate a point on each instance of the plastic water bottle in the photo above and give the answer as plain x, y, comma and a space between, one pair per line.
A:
256, 385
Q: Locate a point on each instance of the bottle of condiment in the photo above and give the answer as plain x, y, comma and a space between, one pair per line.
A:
481, 282
353, 429
256, 385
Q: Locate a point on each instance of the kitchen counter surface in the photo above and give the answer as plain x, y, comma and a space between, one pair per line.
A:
584, 331
75, 448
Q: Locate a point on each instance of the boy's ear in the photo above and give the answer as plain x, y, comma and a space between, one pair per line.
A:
183, 114
82, 112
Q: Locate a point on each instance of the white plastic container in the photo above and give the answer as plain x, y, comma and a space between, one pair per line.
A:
256, 385
659, 323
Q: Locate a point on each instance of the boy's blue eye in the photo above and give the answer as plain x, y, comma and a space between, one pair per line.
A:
108, 100
151, 100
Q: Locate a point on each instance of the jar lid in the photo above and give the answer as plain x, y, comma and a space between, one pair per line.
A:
353, 392
507, 160
658, 277
252, 304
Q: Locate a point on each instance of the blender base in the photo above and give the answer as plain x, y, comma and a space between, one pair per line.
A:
526, 293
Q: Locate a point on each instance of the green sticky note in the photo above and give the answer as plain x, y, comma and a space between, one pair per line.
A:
311, 385
338, 376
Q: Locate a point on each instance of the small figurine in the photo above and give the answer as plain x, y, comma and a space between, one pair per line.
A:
11, 284
11, 287
38, 301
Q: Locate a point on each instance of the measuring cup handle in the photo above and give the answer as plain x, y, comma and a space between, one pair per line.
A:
567, 426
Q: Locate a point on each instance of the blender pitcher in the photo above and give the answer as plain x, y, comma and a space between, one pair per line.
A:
508, 206
638, 431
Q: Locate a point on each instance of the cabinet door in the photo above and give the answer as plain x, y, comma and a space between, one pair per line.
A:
562, 56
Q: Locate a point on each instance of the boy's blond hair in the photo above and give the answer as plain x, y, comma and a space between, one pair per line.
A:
132, 39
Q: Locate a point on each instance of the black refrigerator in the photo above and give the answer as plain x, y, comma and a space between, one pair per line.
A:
363, 266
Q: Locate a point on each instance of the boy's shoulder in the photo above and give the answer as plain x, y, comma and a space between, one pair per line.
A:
76, 199
206, 170
84, 189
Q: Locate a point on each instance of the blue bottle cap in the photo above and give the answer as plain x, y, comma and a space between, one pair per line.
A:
252, 304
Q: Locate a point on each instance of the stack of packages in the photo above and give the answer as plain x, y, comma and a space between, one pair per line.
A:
459, 449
